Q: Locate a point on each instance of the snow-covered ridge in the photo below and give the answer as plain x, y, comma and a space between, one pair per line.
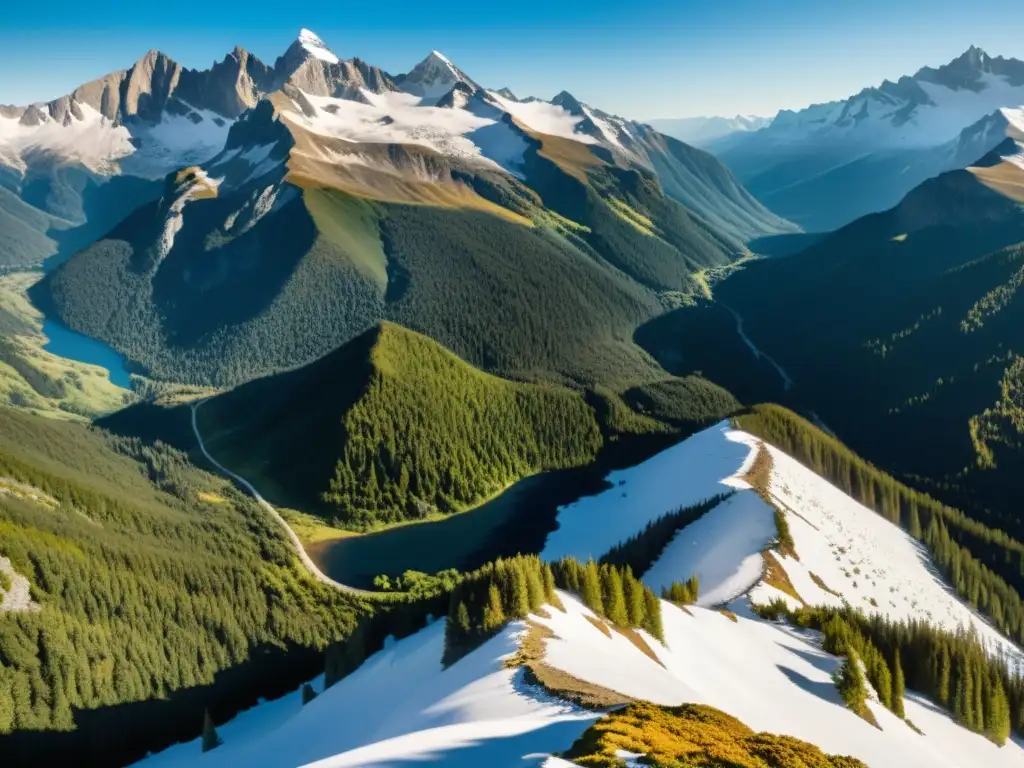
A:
401, 708
926, 110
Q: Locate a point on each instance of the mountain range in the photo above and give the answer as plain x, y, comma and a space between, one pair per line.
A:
708, 131
830, 163
262, 173
446, 351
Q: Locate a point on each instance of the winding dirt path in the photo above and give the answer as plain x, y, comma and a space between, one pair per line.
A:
307, 561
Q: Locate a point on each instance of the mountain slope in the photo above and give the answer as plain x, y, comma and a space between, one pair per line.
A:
462, 221
434, 434
896, 330
148, 579
826, 165
506, 701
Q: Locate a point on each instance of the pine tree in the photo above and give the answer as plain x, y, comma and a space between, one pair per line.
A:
652, 616
494, 612
997, 711
462, 624
945, 692
635, 604
548, 577
898, 686
613, 596
850, 683
519, 608
308, 694
210, 738
591, 588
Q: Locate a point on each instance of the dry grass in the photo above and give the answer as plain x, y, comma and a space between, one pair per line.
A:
211, 497
695, 736
760, 473
530, 657
601, 626
729, 615
637, 639
775, 576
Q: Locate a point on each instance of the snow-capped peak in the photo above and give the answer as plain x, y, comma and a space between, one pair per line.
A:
316, 47
434, 77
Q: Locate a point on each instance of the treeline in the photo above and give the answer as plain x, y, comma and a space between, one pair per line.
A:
488, 598
682, 592
984, 565
484, 601
612, 592
981, 690
642, 550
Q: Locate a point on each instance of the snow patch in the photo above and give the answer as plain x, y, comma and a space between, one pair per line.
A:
705, 465
723, 549
542, 117
397, 118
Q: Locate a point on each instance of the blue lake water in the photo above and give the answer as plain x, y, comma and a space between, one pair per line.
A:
75, 346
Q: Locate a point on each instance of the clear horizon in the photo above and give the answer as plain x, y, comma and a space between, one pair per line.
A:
665, 60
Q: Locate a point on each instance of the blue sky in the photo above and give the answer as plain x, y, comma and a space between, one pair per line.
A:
640, 58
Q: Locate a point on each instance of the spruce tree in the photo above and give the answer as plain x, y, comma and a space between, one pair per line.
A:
898, 686
591, 588
652, 616
850, 683
548, 577
635, 604
613, 596
210, 738
494, 612
519, 608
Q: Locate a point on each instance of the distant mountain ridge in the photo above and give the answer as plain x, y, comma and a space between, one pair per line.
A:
705, 132
825, 165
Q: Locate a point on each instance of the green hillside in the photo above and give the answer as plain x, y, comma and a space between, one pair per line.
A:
393, 427
148, 578
900, 332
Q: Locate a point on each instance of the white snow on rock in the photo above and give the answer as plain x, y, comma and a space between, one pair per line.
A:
398, 118
772, 678
148, 150
315, 47
543, 117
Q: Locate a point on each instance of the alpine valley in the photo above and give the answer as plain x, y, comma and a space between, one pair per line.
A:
351, 418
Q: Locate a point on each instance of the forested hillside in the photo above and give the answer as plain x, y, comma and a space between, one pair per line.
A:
147, 578
394, 427
899, 331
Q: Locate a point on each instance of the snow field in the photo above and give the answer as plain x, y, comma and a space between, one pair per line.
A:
398, 118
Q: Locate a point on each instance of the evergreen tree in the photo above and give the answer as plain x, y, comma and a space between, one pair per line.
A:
636, 605
210, 738
850, 683
614, 599
652, 616
591, 588
898, 686
494, 613
549, 582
